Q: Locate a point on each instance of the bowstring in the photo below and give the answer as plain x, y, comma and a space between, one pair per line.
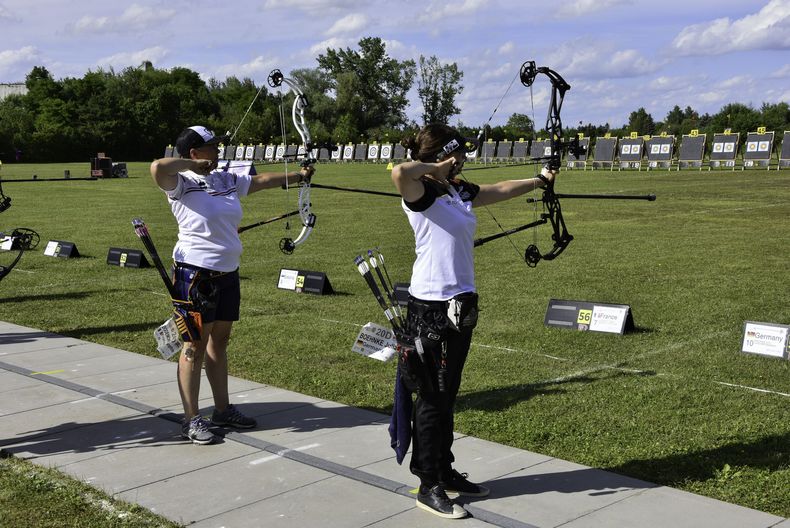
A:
481, 134
534, 192
285, 159
233, 136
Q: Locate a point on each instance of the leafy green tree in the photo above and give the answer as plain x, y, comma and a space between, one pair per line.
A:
370, 87
519, 126
16, 127
245, 109
776, 117
642, 122
320, 112
679, 122
738, 117
437, 86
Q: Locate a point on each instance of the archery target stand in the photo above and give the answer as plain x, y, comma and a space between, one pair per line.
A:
784, 154
302, 281
588, 316
759, 146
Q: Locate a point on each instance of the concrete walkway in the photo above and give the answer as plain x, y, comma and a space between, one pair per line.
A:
112, 418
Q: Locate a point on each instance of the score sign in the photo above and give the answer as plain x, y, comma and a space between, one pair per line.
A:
587, 316
766, 339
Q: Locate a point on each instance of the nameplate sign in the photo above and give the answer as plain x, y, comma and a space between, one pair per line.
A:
126, 258
766, 339
7, 243
302, 281
376, 342
61, 248
589, 316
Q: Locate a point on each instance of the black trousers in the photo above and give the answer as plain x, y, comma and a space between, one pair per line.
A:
434, 407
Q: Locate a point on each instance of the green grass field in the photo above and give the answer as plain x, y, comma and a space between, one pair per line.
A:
672, 402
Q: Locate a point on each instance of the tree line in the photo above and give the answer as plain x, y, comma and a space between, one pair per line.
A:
354, 94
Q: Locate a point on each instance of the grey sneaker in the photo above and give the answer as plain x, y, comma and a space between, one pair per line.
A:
232, 417
196, 430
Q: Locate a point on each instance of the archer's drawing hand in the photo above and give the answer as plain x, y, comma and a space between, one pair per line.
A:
442, 171
203, 166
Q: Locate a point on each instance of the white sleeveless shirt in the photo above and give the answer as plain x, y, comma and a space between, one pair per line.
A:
444, 229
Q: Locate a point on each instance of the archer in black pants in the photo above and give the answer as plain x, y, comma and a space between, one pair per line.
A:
433, 421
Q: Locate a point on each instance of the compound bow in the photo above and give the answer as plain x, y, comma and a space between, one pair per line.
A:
5, 201
275, 80
22, 239
552, 210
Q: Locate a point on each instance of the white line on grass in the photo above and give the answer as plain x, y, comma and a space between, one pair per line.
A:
752, 388
508, 349
616, 366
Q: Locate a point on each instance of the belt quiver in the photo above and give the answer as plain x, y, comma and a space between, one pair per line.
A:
198, 294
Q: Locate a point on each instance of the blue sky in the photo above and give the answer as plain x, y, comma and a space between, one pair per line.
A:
618, 55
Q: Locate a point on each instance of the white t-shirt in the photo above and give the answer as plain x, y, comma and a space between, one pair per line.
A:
444, 229
208, 213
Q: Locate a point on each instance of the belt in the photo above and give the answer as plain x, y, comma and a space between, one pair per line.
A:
211, 274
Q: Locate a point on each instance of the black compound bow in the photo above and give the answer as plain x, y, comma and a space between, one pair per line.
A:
5, 201
552, 210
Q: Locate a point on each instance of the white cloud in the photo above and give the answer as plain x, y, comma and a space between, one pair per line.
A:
398, 50
134, 58
135, 18
782, 72
438, 10
11, 60
769, 28
6, 14
585, 58
350, 23
507, 47
578, 8
258, 68
315, 5
737, 82
334, 43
